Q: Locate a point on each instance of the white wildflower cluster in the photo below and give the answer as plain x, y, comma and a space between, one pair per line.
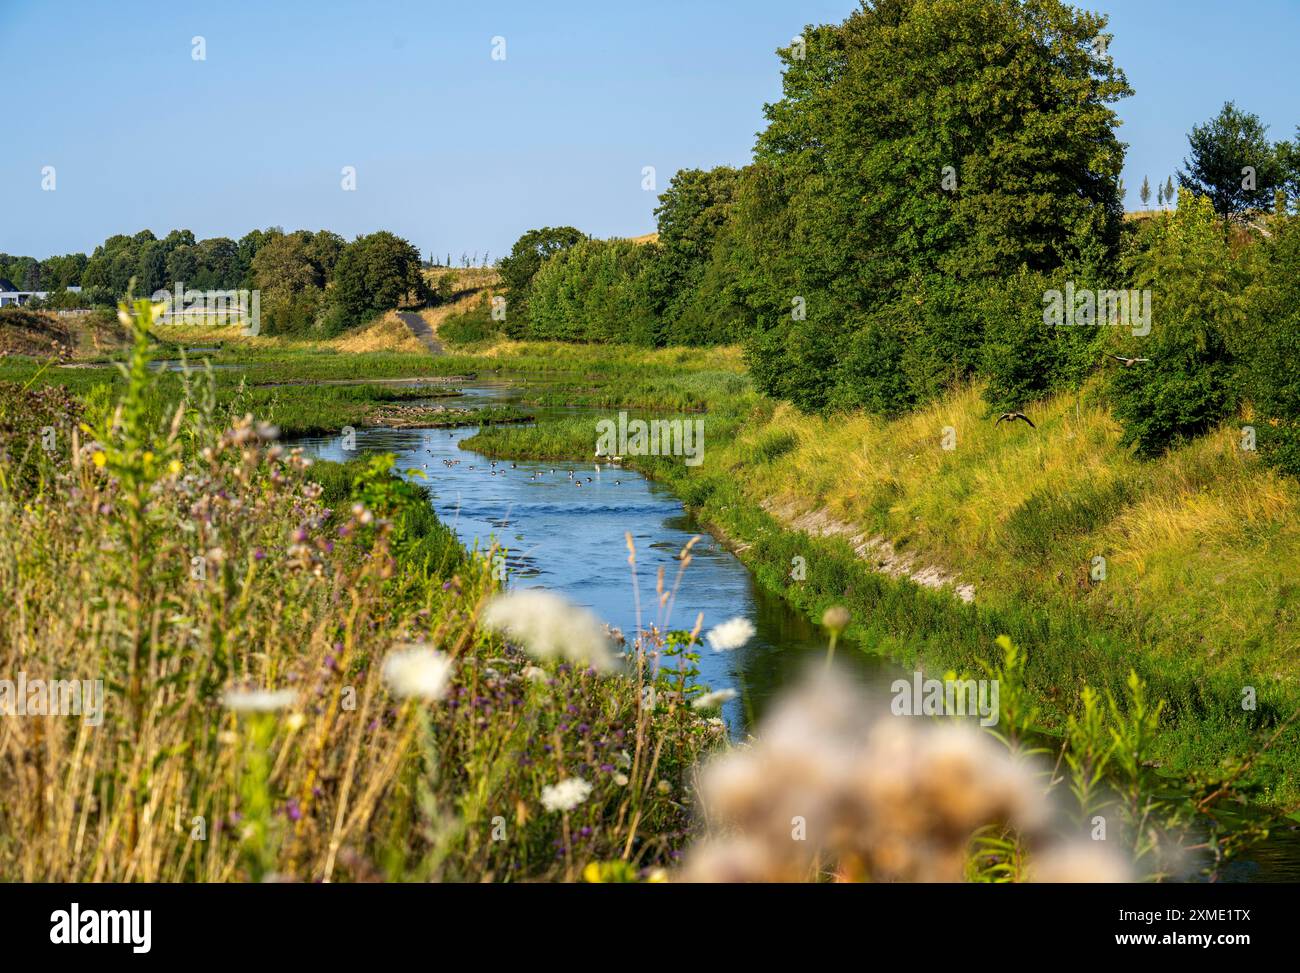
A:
550, 628
258, 700
566, 795
829, 782
730, 634
416, 670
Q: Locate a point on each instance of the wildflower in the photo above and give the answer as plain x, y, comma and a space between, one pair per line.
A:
534, 674
730, 634
620, 780
174, 467
714, 699
257, 700
893, 800
550, 627
1079, 861
99, 459
566, 795
836, 618
418, 671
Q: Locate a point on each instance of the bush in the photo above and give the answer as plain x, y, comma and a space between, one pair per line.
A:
35, 433
596, 290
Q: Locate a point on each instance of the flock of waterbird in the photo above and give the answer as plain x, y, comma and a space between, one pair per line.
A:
492, 468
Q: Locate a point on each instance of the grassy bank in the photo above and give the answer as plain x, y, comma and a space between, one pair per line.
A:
1014, 513
1199, 547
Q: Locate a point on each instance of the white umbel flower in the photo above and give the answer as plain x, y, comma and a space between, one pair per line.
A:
418, 671
534, 674
730, 634
258, 700
566, 795
714, 699
550, 627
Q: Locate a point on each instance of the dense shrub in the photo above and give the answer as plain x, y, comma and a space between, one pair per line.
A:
596, 290
1197, 287
1270, 349
520, 267
36, 427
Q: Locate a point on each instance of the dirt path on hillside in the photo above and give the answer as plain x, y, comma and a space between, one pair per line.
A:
422, 331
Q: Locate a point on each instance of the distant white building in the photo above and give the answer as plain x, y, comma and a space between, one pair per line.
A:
11, 296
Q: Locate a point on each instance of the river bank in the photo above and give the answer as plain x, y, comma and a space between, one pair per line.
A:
758, 459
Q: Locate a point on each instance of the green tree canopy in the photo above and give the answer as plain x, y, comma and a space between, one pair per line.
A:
375, 273
1232, 162
520, 266
920, 147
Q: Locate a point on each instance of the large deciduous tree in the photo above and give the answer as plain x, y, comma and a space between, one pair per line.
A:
919, 148
520, 266
376, 273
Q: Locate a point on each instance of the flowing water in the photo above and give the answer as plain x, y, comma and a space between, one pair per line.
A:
567, 532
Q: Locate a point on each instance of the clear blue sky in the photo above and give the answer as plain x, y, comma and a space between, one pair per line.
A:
456, 151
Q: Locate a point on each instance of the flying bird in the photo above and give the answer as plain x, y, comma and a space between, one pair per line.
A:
1012, 417
1128, 362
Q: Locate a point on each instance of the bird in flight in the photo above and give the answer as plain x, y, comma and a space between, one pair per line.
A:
1128, 362
1012, 417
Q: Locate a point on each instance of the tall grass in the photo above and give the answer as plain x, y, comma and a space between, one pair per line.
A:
238, 606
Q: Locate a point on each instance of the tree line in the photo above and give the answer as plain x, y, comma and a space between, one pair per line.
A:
931, 175
311, 282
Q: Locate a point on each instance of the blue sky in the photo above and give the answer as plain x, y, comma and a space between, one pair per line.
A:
457, 151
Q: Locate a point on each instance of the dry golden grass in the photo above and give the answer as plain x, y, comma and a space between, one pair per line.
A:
387, 333
1199, 544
